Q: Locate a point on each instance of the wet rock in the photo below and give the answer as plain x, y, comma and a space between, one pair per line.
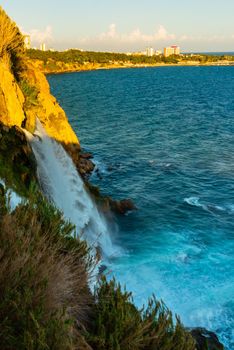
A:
205, 340
123, 206
85, 166
86, 155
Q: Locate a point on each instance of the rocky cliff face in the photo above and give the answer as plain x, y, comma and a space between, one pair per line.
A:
48, 110
11, 98
14, 111
28, 98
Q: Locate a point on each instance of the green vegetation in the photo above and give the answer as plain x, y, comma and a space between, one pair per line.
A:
45, 301
74, 59
17, 162
11, 41
44, 297
30, 93
120, 325
50, 58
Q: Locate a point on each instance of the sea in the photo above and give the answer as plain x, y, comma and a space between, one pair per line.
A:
164, 137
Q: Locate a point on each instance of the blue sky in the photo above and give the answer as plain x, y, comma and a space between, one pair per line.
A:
126, 25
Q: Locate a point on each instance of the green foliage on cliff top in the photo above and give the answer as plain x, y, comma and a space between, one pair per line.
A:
11, 40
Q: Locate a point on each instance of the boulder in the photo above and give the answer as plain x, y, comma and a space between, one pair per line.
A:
206, 340
122, 206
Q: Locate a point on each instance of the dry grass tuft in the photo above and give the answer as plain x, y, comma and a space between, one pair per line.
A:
44, 295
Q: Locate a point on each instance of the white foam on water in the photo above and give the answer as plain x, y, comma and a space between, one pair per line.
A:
210, 207
62, 184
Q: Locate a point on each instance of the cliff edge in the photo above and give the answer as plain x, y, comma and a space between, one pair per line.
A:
22, 101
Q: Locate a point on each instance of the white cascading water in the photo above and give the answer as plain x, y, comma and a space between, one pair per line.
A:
62, 185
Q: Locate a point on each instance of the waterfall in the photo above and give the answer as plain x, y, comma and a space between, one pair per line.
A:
62, 185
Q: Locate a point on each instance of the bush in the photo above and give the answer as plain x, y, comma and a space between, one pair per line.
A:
44, 295
45, 302
119, 325
11, 40
17, 161
30, 93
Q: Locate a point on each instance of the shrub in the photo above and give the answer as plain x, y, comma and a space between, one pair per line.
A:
44, 295
119, 325
30, 93
11, 40
17, 161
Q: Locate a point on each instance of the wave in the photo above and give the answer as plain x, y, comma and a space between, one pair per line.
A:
213, 208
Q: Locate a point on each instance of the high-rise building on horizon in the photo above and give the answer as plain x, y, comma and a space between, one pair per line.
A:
149, 51
43, 47
171, 50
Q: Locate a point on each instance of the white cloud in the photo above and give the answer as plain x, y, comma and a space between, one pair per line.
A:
135, 36
40, 36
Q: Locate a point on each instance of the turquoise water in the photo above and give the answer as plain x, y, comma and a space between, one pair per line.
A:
165, 138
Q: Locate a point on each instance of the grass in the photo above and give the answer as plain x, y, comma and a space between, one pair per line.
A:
11, 41
118, 324
30, 93
17, 162
44, 295
45, 301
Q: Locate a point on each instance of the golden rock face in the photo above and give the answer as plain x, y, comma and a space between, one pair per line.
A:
51, 115
11, 98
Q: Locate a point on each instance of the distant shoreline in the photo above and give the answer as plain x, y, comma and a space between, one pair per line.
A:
126, 66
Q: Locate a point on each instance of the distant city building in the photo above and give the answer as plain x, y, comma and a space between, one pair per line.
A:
27, 41
176, 49
149, 51
172, 50
43, 47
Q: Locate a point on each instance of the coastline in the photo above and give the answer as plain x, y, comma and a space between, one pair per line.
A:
93, 67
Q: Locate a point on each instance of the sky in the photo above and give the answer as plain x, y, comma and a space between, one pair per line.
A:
126, 25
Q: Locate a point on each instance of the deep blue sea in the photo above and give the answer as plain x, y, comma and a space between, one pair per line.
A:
165, 138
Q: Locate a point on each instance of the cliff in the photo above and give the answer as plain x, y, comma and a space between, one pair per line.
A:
27, 97
15, 111
45, 299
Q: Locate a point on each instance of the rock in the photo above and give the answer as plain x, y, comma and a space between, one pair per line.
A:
11, 98
51, 115
14, 112
86, 155
123, 206
205, 340
85, 166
